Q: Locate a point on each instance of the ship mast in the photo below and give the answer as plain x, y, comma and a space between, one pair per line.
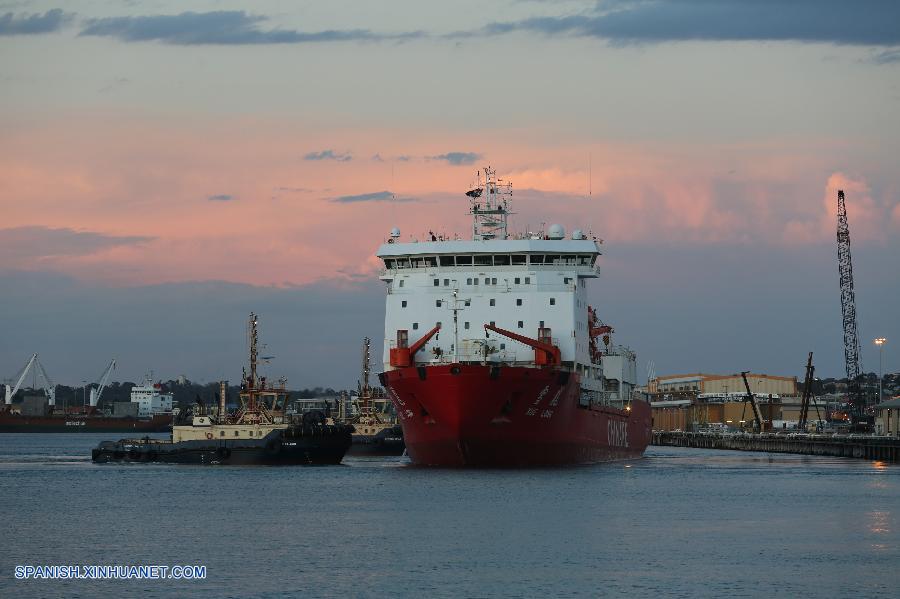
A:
489, 205
253, 335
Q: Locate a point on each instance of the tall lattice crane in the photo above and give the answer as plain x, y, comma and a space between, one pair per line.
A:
848, 308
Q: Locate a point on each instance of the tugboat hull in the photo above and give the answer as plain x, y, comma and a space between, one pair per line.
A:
386, 442
310, 446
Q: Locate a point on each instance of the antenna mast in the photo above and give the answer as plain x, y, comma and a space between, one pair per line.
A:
848, 308
490, 206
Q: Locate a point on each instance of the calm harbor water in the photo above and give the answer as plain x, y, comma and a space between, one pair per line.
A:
680, 522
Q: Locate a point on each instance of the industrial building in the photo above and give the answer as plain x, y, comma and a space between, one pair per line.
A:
677, 384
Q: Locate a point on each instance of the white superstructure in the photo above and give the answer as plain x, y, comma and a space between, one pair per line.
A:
521, 283
149, 399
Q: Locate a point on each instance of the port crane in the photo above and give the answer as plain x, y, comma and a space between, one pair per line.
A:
97, 393
848, 311
49, 385
758, 422
807, 397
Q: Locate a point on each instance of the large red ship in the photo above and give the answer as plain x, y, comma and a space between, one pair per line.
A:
477, 389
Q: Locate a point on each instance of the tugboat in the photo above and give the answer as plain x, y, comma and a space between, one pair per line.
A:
376, 431
258, 433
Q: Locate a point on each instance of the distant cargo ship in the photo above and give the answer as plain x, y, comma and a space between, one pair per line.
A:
149, 411
471, 385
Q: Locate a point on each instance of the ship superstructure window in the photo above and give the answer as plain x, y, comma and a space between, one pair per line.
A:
447, 261
518, 280
401, 282
437, 303
552, 301
466, 325
501, 260
528, 280
415, 326
521, 324
517, 259
464, 260
492, 323
537, 258
493, 302
519, 302
468, 302
446, 282
221, 433
469, 281
388, 263
493, 281
483, 261
476, 280
438, 282
403, 304
236, 433
567, 280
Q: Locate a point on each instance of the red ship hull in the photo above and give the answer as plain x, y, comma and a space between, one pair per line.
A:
482, 415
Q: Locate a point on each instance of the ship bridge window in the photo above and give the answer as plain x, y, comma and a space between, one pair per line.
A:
584, 260
402, 263
446, 260
464, 260
550, 259
430, 261
517, 259
501, 260
537, 258
483, 261
388, 263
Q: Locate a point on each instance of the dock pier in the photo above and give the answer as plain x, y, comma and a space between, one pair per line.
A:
866, 447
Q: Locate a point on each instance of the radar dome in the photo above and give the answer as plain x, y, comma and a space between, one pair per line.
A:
556, 232
395, 232
577, 234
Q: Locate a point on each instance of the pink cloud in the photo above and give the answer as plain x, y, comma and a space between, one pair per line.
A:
152, 179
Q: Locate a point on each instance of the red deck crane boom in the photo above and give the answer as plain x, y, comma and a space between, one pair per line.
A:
545, 353
404, 355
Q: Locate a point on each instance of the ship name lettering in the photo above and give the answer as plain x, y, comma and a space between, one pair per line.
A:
541, 395
531, 412
555, 401
617, 431
546, 413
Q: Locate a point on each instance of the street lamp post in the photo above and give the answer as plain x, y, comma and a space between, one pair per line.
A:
880, 343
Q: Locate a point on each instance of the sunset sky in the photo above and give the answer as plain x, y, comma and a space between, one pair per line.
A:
167, 167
